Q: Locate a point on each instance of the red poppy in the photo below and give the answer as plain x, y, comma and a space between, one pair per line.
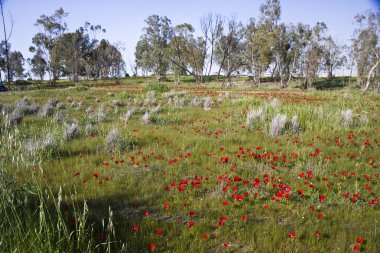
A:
359, 240
204, 236
166, 206
292, 234
135, 228
159, 231
356, 247
152, 247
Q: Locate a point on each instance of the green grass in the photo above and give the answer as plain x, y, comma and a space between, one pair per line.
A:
178, 159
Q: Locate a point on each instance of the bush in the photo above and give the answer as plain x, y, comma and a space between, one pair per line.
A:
278, 125
22, 82
158, 87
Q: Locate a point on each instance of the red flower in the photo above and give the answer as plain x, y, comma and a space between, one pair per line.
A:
266, 207
191, 213
356, 247
204, 236
152, 247
225, 202
359, 240
166, 206
320, 215
226, 244
244, 217
317, 234
135, 228
292, 234
159, 231
146, 213
191, 224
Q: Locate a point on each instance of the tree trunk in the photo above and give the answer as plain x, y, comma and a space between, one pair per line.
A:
365, 89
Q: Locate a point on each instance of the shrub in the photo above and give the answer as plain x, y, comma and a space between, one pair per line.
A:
274, 103
278, 125
207, 103
146, 118
15, 117
113, 140
253, 115
346, 118
295, 126
70, 131
158, 87
126, 116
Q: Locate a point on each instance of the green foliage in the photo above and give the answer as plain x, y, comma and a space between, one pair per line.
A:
158, 87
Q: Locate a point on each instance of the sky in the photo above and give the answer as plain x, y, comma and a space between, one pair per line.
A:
124, 19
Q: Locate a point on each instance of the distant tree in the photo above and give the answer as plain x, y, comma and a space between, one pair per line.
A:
110, 60
212, 27
333, 57
6, 44
312, 54
39, 65
229, 50
258, 50
366, 49
52, 27
16, 65
186, 52
152, 47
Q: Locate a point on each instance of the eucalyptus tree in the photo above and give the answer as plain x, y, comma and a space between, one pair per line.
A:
229, 50
186, 52
310, 62
13, 66
258, 50
38, 64
366, 49
16, 65
152, 47
261, 40
110, 60
70, 48
51, 29
212, 27
332, 56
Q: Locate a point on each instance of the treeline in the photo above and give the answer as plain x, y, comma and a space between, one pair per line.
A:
225, 46
261, 46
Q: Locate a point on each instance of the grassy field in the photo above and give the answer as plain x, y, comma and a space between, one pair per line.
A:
140, 167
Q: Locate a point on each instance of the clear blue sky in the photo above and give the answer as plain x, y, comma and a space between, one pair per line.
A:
124, 19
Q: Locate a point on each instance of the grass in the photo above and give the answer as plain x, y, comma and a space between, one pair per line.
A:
198, 173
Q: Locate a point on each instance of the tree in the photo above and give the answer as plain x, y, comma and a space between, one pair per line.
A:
186, 52
366, 49
52, 27
333, 57
39, 64
212, 27
152, 47
258, 50
16, 65
6, 44
312, 53
229, 50
109, 59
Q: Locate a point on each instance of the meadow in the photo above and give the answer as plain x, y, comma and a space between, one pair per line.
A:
153, 167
